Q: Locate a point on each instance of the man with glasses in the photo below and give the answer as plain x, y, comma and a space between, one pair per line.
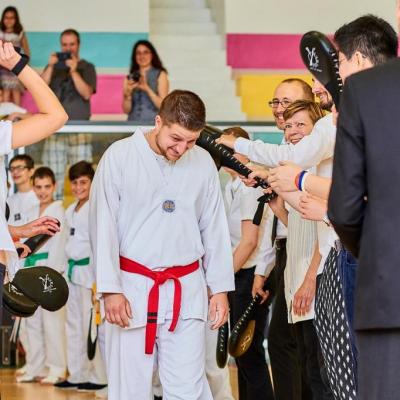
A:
282, 349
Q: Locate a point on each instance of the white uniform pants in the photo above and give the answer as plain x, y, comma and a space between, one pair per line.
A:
80, 368
180, 356
218, 378
46, 343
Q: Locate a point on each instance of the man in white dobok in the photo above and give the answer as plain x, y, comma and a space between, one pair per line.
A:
160, 238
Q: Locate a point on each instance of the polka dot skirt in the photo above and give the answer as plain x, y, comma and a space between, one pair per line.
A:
333, 331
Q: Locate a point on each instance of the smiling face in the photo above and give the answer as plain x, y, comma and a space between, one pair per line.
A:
172, 141
298, 126
80, 188
20, 173
325, 99
285, 94
44, 189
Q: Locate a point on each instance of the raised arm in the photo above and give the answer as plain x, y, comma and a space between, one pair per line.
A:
51, 116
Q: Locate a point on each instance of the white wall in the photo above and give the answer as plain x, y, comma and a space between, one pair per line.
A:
217, 8
83, 15
299, 16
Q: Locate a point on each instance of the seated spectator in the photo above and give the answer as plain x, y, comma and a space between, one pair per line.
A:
12, 31
146, 85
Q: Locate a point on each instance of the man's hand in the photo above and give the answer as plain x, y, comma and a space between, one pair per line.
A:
45, 225
258, 171
72, 63
26, 249
218, 310
117, 308
8, 56
313, 208
258, 284
227, 140
304, 296
282, 178
53, 59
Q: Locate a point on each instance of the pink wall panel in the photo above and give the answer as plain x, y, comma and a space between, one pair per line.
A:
107, 100
264, 51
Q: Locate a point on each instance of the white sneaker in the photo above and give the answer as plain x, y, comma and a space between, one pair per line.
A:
102, 393
50, 380
25, 378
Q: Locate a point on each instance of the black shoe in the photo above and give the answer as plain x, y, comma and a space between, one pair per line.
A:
89, 387
67, 385
157, 397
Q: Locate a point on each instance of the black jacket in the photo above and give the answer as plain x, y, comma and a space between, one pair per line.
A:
364, 204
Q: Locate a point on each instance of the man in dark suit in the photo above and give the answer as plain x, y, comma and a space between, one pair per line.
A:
363, 208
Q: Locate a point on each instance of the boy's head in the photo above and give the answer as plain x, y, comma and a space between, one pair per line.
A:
300, 118
21, 168
81, 175
44, 184
181, 118
237, 132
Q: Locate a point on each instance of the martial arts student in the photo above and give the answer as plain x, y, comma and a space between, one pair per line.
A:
51, 117
160, 237
84, 375
21, 168
46, 359
250, 243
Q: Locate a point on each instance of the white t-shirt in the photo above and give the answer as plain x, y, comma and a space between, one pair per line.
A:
241, 204
20, 203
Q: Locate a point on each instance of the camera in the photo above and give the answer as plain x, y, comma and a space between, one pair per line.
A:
62, 57
134, 76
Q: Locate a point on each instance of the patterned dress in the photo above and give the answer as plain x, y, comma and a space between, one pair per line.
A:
334, 332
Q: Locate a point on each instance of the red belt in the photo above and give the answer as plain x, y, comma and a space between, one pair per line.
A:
159, 278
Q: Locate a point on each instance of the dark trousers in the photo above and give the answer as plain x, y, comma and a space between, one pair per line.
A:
378, 364
347, 267
286, 372
253, 377
310, 358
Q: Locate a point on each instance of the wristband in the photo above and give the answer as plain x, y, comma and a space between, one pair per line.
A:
296, 180
20, 65
301, 180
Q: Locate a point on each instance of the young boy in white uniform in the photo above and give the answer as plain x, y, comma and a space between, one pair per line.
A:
156, 209
84, 375
45, 329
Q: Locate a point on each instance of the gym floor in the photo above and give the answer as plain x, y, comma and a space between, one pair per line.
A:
10, 390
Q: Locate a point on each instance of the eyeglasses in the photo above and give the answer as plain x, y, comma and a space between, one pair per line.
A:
18, 168
283, 103
298, 125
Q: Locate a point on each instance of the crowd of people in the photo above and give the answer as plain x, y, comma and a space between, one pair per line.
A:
161, 257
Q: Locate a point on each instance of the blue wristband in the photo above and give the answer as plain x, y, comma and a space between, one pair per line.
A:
301, 179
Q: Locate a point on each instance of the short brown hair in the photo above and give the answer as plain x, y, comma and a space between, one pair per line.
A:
307, 89
236, 131
314, 110
81, 168
44, 172
184, 108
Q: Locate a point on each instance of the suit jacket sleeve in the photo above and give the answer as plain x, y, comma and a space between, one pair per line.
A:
346, 201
